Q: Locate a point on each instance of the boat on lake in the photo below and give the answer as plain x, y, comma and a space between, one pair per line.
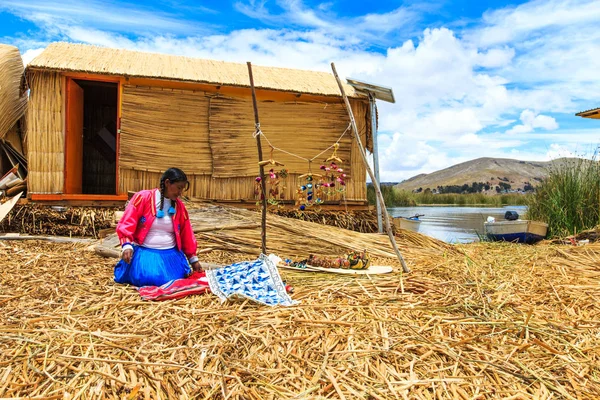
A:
513, 229
409, 223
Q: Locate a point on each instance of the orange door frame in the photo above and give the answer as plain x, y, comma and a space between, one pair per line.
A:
101, 78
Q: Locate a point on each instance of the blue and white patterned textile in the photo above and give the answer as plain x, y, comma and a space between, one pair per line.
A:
257, 280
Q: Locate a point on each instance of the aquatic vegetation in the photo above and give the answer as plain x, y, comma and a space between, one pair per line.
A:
568, 199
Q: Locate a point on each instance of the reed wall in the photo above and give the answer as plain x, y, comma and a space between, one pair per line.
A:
45, 133
161, 128
301, 128
304, 129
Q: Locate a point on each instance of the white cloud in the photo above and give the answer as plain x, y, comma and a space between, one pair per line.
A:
446, 125
555, 43
519, 129
99, 15
494, 58
401, 157
387, 22
325, 6
532, 121
514, 23
469, 139
98, 37
538, 121
571, 136
558, 151
31, 54
371, 26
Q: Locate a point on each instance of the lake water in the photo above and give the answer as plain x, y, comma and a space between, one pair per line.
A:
454, 224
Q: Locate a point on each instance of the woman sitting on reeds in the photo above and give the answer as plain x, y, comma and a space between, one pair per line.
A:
156, 235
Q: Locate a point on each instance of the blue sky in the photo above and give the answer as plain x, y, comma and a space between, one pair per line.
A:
471, 78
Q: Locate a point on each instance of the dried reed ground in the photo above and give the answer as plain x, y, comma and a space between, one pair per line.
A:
470, 321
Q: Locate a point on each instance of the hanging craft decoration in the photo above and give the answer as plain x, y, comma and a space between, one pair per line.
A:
309, 192
270, 161
334, 157
316, 187
334, 180
275, 182
313, 189
258, 188
276, 188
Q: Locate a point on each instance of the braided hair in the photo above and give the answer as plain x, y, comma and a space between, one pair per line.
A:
173, 175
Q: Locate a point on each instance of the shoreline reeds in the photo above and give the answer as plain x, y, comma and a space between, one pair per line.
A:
568, 199
402, 198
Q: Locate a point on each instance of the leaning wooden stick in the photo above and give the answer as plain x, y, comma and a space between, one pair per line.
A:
263, 184
386, 217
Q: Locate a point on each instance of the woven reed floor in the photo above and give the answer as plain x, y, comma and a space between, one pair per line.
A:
472, 321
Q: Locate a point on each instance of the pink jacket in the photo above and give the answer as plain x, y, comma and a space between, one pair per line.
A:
140, 214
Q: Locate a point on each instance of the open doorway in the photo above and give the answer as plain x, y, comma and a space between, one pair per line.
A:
91, 137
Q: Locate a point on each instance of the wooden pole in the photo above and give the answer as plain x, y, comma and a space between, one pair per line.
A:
378, 194
375, 156
263, 184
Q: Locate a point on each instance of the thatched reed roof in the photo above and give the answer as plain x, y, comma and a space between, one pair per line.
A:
107, 61
593, 113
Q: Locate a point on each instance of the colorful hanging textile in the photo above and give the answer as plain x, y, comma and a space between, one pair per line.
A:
257, 280
196, 283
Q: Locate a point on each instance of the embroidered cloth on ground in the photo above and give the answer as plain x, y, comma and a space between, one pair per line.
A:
196, 283
257, 280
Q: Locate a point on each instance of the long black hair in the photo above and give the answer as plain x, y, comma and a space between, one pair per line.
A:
173, 175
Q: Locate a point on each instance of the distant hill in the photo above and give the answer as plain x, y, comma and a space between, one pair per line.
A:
492, 171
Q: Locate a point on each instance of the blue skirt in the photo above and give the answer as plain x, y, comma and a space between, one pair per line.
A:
151, 267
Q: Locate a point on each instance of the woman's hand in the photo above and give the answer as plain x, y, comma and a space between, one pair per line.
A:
127, 255
196, 267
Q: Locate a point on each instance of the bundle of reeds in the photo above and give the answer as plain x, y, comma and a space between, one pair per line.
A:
13, 93
589, 235
61, 221
486, 321
294, 237
359, 221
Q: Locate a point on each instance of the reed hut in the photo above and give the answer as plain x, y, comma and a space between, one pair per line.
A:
104, 122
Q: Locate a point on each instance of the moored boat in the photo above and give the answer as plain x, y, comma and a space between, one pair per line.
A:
409, 223
518, 231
